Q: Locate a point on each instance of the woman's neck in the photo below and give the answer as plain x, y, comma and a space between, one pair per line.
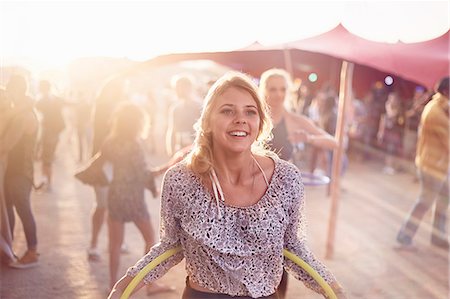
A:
233, 169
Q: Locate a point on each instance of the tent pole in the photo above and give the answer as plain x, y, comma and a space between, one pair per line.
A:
345, 95
288, 61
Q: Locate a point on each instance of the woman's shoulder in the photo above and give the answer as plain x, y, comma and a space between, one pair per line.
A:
180, 171
284, 166
280, 168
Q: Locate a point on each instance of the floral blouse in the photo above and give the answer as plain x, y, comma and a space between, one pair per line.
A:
241, 252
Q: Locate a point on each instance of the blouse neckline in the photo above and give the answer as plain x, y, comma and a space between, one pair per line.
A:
222, 203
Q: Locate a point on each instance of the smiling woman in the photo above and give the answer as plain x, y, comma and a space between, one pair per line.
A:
232, 208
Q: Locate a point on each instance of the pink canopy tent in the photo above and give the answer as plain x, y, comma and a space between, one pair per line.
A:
423, 62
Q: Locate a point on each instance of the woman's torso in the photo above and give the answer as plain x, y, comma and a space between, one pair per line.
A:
126, 192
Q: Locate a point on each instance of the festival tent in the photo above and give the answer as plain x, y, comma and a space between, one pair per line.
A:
422, 63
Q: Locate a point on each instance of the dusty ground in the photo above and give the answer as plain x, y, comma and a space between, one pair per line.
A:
372, 207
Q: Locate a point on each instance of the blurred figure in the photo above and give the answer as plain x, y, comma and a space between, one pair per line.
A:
390, 132
18, 143
6, 115
412, 120
182, 115
151, 106
304, 98
125, 150
289, 128
432, 161
52, 125
112, 93
83, 111
327, 121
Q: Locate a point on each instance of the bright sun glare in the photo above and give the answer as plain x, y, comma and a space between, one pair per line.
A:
53, 33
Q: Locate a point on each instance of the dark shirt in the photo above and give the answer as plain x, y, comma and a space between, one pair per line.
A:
52, 117
20, 157
280, 143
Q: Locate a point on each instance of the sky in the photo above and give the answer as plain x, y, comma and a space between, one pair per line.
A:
52, 33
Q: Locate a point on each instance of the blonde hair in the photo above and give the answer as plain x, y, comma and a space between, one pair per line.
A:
200, 160
274, 73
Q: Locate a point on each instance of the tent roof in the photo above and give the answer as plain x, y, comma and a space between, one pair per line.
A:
424, 62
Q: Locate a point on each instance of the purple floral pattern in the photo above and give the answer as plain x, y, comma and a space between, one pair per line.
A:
240, 253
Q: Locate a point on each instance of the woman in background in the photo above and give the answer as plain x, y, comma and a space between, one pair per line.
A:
124, 149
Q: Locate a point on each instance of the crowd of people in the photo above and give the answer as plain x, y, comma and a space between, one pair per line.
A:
232, 195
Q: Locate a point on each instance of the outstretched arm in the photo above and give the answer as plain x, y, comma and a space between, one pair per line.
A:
303, 129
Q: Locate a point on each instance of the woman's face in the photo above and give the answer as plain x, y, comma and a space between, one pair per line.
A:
234, 121
275, 91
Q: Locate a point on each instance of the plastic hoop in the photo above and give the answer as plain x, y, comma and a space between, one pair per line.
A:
158, 260
314, 274
289, 255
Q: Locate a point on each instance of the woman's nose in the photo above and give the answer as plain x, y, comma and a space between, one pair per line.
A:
240, 118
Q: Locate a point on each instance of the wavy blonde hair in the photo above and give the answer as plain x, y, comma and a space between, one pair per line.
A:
201, 159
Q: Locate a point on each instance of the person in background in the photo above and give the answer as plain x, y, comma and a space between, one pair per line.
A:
7, 113
289, 128
232, 205
18, 143
83, 113
432, 161
412, 120
390, 132
124, 148
111, 94
182, 115
51, 108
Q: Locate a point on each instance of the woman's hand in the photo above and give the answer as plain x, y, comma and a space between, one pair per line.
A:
114, 294
338, 290
120, 286
299, 136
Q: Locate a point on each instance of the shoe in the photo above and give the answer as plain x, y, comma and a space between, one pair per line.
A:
443, 244
124, 249
29, 260
404, 242
93, 255
403, 238
389, 170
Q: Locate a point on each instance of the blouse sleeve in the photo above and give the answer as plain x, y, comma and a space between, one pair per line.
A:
295, 237
169, 237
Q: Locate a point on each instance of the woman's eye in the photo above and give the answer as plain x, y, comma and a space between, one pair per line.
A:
252, 112
227, 111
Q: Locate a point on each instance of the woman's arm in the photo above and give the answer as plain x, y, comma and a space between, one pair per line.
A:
381, 128
303, 129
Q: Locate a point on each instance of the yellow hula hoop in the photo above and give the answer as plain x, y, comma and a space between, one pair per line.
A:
319, 279
289, 255
158, 260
